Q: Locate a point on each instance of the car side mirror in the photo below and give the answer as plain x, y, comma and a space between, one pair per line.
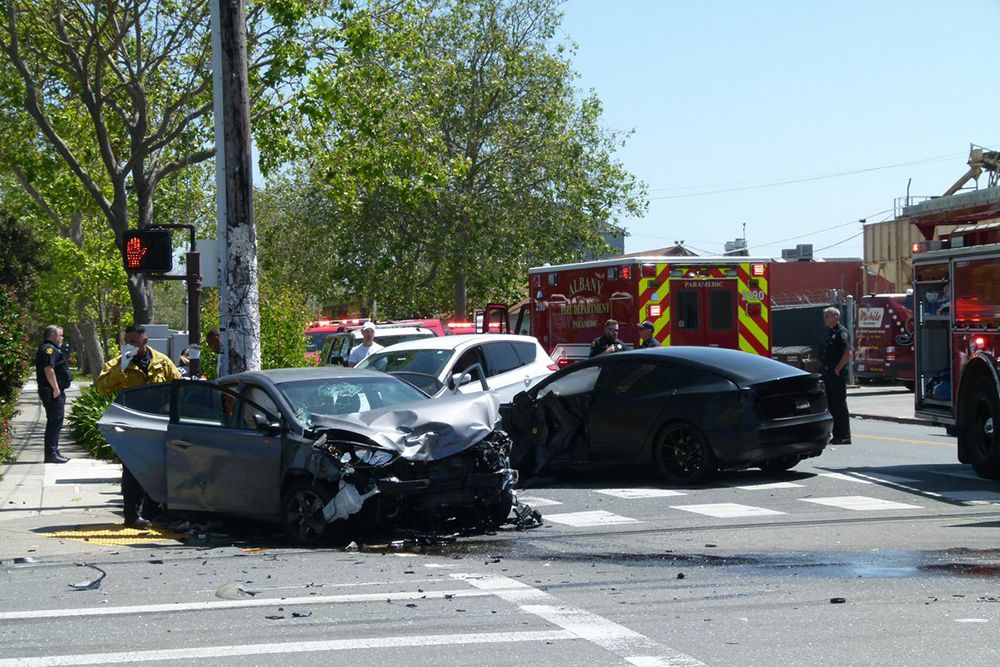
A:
460, 379
264, 424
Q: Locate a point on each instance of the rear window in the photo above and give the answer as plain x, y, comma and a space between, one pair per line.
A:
385, 340
526, 352
501, 358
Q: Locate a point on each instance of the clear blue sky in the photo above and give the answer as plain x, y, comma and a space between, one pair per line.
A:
725, 94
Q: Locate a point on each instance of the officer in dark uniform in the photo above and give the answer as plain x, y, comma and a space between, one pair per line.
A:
836, 356
646, 339
608, 342
53, 377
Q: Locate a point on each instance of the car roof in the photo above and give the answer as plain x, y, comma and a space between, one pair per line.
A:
282, 375
457, 341
735, 365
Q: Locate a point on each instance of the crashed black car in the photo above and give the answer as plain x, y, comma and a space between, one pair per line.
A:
319, 450
689, 411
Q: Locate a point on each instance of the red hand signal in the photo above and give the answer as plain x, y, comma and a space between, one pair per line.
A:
135, 250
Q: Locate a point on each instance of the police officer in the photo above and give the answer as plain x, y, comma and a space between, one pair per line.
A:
608, 342
836, 356
646, 339
137, 365
53, 377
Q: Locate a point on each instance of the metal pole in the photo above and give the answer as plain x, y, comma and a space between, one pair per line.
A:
194, 312
849, 323
220, 187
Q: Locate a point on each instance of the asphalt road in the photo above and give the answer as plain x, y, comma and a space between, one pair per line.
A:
744, 571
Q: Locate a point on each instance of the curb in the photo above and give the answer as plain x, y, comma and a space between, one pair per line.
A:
889, 418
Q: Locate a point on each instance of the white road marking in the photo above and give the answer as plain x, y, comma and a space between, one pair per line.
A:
882, 477
538, 502
860, 503
972, 620
298, 646
588, 519
634, 494
627, 644
981, 496
171, 607
727, 510
765, 486
843, 478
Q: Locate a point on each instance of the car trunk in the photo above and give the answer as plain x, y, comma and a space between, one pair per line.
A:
790, 397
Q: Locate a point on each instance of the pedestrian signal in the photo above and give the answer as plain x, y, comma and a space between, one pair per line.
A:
148, 251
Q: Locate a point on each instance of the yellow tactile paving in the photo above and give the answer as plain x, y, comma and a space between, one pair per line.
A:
111, 535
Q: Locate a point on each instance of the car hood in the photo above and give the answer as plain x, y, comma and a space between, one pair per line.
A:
425, 430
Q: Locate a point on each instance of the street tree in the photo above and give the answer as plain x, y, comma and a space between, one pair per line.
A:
121, 91
455, 155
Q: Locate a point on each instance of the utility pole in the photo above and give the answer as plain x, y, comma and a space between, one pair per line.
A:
239, 302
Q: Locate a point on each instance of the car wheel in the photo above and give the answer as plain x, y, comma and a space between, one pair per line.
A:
499, 510
981, 430
302, 511
683, 456
780, 465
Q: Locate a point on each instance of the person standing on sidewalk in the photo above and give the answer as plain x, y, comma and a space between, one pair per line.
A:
836, 356
137, 365
53, 377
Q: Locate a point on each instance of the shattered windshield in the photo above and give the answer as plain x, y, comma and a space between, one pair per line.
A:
345, 396
427, 362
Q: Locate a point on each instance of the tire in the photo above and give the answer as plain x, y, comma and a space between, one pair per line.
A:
683, 456
302, 512
980, 431
783, 464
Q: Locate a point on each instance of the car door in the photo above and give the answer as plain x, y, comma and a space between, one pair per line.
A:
629, 398
468, 360
507, 374
135, 426
216, 458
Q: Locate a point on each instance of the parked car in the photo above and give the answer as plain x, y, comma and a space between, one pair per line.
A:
501, 363
337, 347
688, 411
318, 450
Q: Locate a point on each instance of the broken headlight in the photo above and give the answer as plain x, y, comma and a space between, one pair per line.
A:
372, 457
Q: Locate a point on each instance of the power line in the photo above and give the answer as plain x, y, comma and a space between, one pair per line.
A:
849, 238
805, 179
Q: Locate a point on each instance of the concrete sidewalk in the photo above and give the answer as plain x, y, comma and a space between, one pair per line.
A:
883, 403
37, 498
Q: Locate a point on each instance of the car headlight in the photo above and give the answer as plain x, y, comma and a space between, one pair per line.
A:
373, 457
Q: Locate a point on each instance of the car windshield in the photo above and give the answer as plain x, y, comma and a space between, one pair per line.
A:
345, 396
428, 362
387, 339
314, 341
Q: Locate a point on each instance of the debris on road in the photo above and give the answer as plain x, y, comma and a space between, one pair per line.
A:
235, 591
92, 584
838, 600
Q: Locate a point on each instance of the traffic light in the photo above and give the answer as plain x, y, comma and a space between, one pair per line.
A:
148, 251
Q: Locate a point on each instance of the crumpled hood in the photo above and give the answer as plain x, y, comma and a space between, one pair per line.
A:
426, 430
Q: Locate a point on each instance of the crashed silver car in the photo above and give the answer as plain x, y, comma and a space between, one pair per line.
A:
322, 451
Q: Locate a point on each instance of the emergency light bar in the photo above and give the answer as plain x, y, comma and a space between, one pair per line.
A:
928, 246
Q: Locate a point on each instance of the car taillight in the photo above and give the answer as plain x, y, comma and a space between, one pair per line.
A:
553, 367
563, 362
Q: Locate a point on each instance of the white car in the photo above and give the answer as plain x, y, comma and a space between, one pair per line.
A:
337, 347
504, 364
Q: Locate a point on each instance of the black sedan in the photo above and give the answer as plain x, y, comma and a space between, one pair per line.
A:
689, 411
320, 451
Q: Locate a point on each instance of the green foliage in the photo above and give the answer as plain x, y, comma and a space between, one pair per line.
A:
14, 362
83, 417
449, 141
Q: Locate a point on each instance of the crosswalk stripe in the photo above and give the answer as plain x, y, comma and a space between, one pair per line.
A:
727, 510
635, 494
860, 503
587, 519
538, 502
843, 478
765, 486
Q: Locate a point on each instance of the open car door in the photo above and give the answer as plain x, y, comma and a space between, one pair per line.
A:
218, 458
494, 318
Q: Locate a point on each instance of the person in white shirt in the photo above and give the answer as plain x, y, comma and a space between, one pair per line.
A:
367, 346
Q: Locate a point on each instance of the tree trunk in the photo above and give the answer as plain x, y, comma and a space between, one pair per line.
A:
461, 295
140, 289
91, 345
240, 309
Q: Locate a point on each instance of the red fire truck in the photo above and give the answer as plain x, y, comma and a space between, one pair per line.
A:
883, 339
957, 311
714, 301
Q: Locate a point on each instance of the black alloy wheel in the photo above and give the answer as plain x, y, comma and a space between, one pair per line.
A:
302, 512
683, 456
982, 430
